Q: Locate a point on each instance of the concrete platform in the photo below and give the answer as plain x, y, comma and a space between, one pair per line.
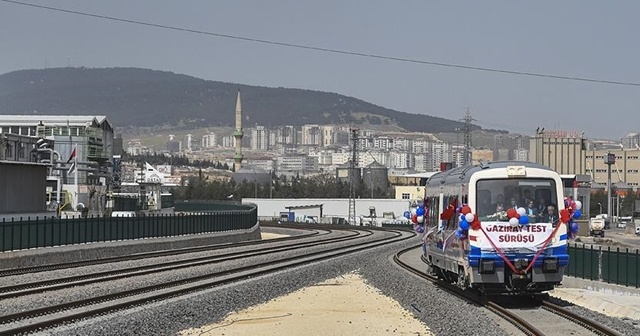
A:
92, 251
608, 299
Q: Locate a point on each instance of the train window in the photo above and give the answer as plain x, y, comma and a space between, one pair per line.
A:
495, 196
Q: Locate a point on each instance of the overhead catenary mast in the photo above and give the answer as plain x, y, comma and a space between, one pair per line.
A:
352, 167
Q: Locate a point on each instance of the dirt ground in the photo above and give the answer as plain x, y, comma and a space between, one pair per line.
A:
341, 306
266, 235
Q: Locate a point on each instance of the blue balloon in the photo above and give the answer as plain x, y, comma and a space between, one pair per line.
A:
464, 225
407, 214
419, 228
577, 214
524, 220
420, 211
463, 218
575, 227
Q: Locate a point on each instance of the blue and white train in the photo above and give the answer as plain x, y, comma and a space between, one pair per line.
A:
497, 253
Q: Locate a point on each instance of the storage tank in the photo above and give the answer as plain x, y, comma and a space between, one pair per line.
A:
375, 177
252, 174
342, 174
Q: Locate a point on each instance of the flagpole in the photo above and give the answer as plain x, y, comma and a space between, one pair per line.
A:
75, 159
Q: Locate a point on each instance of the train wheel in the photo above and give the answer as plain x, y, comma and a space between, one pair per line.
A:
463, 281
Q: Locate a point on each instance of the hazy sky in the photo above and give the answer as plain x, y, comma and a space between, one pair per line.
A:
578, 38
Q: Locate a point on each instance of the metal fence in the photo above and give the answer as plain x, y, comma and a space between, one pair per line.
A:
616, 266
26, 233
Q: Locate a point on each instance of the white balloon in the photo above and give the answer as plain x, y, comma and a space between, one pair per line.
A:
578, 205
420, 219
514, 221
469, 217
521, 211
413, 211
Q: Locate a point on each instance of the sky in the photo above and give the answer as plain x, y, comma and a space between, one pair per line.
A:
572, 38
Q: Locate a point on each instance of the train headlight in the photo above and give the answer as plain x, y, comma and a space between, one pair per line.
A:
486, 267
550, 265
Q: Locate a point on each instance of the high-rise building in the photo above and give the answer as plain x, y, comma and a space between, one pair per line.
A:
189, 142
311, 135
286, 136
259, 138
440, 152
209, 140
631, 140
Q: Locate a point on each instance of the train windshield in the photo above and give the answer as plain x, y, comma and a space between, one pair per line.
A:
537, 196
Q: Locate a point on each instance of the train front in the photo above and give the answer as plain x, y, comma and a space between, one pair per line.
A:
518, 244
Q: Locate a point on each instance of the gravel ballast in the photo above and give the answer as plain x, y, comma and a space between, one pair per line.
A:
442, 312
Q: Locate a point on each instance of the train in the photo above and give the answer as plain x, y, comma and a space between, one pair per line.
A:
481, 233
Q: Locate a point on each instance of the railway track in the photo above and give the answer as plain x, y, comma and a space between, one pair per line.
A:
43, 318
138, 256
541, 318
102, 276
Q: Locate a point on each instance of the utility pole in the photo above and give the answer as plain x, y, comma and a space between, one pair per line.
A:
467, 137
352, 176
609, 160
270, 183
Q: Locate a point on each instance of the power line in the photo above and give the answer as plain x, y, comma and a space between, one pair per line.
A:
329, 50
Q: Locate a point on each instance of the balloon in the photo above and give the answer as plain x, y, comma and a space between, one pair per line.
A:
413, 211
465, 209
521, 211
577, 214
524, 220
407, 214
513, 221
463, 218
511, 213
420, 219
464, 225
414, 218
419, 228
578, 205
475, 225
575, 227
458, 209
469, 217
420, 212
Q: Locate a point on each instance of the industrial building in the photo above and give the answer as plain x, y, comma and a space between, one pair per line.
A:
80, 153
23, 191
570, 153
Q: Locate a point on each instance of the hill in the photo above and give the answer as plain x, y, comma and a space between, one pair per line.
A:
142, 98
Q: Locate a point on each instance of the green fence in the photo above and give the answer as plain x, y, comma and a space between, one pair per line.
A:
616, 266
26, 233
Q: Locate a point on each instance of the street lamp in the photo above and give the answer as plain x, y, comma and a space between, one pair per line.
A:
600, 205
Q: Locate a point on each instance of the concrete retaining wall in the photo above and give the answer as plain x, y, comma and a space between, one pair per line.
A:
599, 286
93, 251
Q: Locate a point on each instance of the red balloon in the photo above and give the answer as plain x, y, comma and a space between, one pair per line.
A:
512, 213
465, 210
475, 225
414, 218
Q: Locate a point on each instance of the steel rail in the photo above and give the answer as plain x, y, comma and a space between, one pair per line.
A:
45, 317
